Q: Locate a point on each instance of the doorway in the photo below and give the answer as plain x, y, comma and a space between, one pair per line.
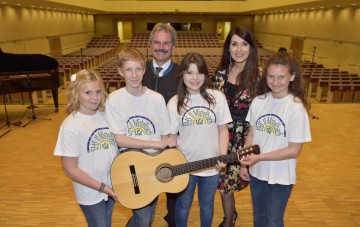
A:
124, 31
222, 29
296, 47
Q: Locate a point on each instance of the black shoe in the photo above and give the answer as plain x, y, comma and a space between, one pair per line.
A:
233, 221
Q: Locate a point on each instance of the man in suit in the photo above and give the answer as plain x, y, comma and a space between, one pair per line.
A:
160, 76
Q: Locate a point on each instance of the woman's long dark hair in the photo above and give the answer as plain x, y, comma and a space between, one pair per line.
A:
296, 87
183, 94
248, 78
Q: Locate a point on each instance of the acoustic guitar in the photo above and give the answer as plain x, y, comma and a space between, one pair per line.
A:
139, 177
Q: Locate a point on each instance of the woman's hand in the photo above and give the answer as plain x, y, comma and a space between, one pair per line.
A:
244, 173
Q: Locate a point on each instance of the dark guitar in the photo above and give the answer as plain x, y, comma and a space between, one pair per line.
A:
138, 177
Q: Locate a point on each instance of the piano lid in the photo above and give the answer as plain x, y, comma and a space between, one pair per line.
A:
26, 62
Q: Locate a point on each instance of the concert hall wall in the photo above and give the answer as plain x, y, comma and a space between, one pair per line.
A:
334, 32
27, 30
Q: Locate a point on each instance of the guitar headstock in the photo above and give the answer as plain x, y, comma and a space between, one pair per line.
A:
248, 150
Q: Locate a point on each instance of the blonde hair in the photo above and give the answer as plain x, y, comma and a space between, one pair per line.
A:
130, 54
72, 93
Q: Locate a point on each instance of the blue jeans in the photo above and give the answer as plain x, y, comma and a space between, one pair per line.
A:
206, 191
142, 217
269, 202
99, 215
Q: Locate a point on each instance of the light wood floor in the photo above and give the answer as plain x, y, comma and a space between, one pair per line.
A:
34, 191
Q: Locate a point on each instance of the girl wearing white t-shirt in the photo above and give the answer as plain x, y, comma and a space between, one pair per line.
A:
198, 118
87, 147
279, 124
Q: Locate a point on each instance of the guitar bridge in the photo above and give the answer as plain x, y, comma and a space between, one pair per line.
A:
134, 179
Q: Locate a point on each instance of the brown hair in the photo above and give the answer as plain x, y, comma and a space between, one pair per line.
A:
199, 61
296, 87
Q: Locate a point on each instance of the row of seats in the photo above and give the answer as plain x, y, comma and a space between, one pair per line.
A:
85, 58
184, 40
105, 41
330, 85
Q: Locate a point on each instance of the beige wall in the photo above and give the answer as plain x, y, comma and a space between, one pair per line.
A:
24, 30
334, 33
106, 24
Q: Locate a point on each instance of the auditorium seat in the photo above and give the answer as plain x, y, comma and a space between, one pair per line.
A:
356, 97
348, 93
334, 94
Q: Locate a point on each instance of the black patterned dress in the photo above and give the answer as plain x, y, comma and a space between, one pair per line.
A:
239, 104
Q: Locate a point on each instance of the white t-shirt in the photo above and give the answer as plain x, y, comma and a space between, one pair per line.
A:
142, 117
198, 127
89, 138
277, 122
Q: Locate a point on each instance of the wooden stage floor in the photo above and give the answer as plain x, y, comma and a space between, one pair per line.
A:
35, 192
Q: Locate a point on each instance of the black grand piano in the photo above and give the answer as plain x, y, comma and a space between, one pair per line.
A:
21, 72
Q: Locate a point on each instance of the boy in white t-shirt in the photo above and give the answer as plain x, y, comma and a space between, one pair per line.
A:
137, 105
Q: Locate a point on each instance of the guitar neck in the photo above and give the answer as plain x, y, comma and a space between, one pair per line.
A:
202, 164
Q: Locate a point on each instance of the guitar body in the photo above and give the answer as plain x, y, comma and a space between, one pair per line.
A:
138, 177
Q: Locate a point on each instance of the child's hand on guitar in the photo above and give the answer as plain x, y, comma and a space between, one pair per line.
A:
166, 143
249, 160
219, 166
110, 192
169, 142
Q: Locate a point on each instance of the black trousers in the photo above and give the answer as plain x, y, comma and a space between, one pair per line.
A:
170, 205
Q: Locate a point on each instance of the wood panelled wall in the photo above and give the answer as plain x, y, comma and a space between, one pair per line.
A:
334, 33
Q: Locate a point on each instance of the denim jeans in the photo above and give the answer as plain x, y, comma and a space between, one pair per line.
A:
269, 202
99, 215
206, 191
142, 217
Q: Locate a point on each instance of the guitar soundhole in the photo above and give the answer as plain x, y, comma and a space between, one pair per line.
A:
164, 173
